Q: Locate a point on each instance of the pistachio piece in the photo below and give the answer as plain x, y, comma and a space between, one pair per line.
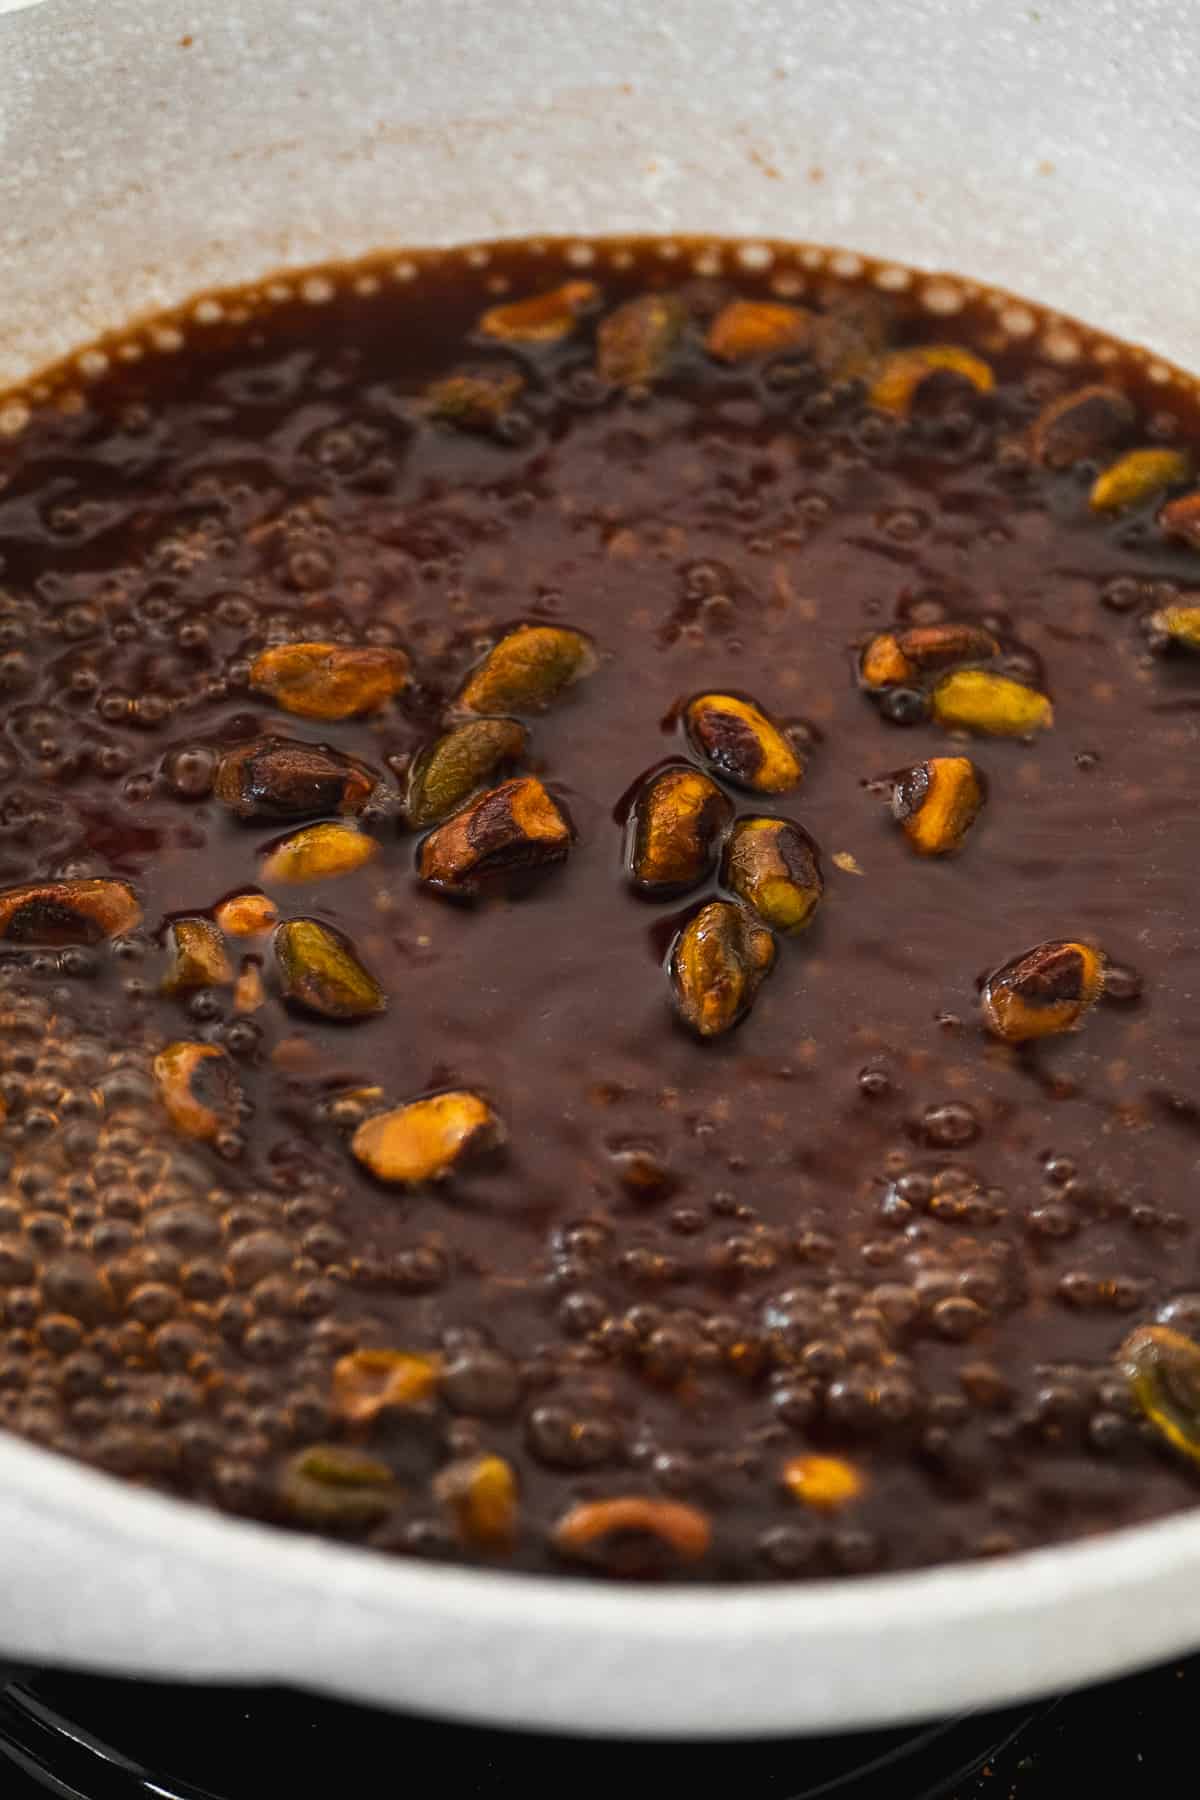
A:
331, 1485
1083, 423
900, 656
474, 400
247, 915
527, 669
994, 705
277, 778
67, 912
633, 1534
318, 853
369, 1382
198, 958
426, 1139
542, 318
199, 1088
319, 971
480, 1495
822, 1482
329, 681
774, 867
1162, 1368
1135, 476
937, 802
1178, 625
1043, 992
1181, 518
674, 830
634, 343
716, 966
897, 377
515, 827
449, 772
249, 994
750, 328
848, 336
735, 737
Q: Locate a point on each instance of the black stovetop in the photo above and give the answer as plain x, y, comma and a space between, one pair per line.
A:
81, 1737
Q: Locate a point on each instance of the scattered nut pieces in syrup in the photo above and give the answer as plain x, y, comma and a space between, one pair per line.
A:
774, 866
634, 1535
516, 828
425, 1140
198, 957
542, 318
716, 966
674, 831
992, 705
527, 669
746, 329
320, 972
1176, 625
634, 343
1044, 992
474, 401
937, 802
329, 681
1162, 1368
1180, 518
480, 1496
897, 377
1137, 476
367, 1383
1083, 423
825, 1483
739, 742
332, 1487
67, 912
247, 915
279, 778
461, 761
901, 656
198, 1085
318, 853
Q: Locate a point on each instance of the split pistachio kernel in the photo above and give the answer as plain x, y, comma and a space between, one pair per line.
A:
823, 1482
329, 681
247, 915
331, 1485
67, 912
937, 802
1162, 1368
993, 705
634, 1534
1044, 992
1135, 476
749, 328
894, 657
1083, 423
716, 966
675, 829
1177, 625
278, 778
369, 1382
198, 1086
527, 669
480, 1495
515, 828
897, 377
320, 972
542, 318
634, 343
775, 867
198, 957
1181, 518
475, 400
318, 853
450, 771
737, 739
425, 1140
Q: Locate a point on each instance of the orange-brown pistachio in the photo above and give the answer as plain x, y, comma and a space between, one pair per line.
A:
899, 656
198, 958
737, 739
474, 400
748, 328
1162, 1368
823, 1482
451, 770
67, 912
992, 705
514, 828
480, 1495
849, 335
634, 343
318, 853
369, 1382
716, 966
1181, 518
937, 802
426, 1140
277, 778
198, 1086
1080, 424
896, 378
1043, 992
249, 993
542, 318
1178, 625
331, 1487
775, 867
527, 669
247, 915
329, 681
1137, 475
634, 1534
675, 829
319, 971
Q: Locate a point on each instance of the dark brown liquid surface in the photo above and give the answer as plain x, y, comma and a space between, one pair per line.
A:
888, 1238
